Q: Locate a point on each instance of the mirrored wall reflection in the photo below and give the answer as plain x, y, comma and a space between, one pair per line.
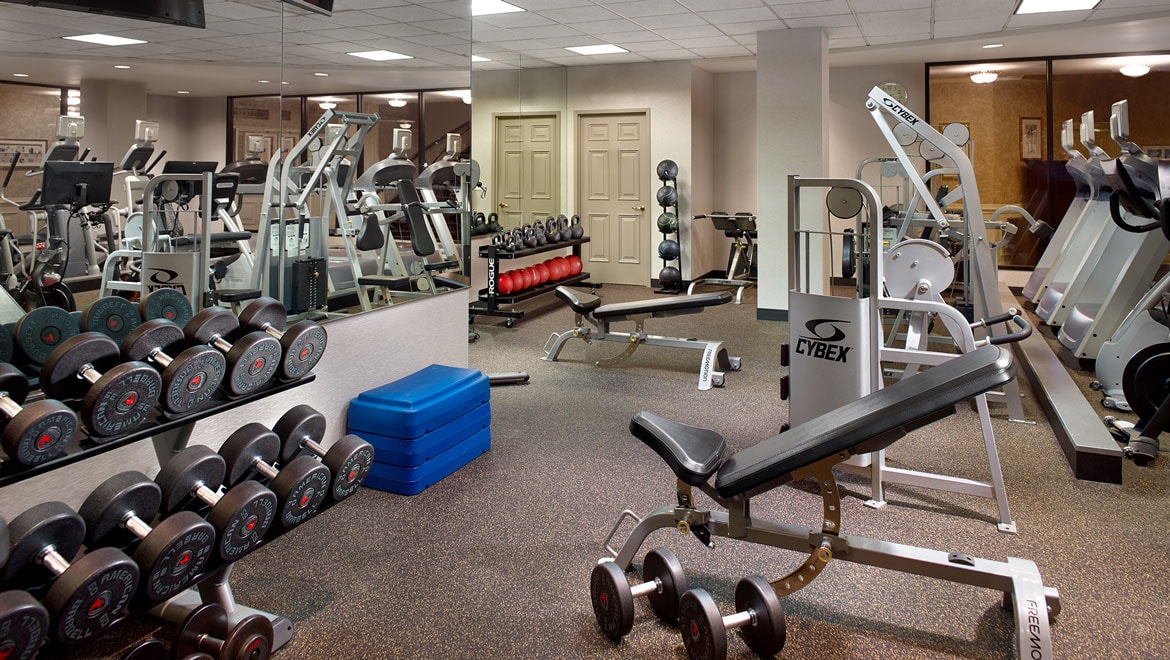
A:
28, 114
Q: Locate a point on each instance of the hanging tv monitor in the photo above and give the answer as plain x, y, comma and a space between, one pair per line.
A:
177, 12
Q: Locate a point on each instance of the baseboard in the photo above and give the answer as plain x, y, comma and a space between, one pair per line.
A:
771, 314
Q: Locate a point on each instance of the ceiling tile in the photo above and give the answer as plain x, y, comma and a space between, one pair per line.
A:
722, 51
746, 29
803, 9
641, 8
580, 14
738, 15
681, 19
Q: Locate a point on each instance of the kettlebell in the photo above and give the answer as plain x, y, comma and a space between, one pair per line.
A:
478, 224
552, 230
494, 222
566, 231
575, 229
529, 236
541, 238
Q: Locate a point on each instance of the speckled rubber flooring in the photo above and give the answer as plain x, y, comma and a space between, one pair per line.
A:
494, 561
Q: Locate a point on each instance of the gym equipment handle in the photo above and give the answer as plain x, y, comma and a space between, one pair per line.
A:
1024, 332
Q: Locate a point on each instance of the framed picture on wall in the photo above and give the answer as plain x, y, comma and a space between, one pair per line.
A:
1031, 138
1158, 152
32, 152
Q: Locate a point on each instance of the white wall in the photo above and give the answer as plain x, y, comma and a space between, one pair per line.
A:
734, 160
701, 243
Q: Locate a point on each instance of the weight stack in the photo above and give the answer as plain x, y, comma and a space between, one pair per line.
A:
423, 427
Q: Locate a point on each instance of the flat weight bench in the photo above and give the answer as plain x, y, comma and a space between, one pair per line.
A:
588, 308
810, 451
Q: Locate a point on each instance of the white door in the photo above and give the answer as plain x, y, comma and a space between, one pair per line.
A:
527, 169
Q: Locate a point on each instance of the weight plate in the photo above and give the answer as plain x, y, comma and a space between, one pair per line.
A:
929, 151
303, 345
152, 335
916, 261
349, 461
1146, 380
113, 316
300, 423
7, 347
209, 324
891, 168
613, 602
91, 594
151, 649
251, 638
263, 312
42, 525
208, 620
247, 444
848, 253
904, 134
192, 467
703, 633
4, 541
40, 433
173, 553
241, 519
844, 202
13, 383
662, 565
300, 489
24, 622
42, 330
252, 362
60, 377
114, 499
767, 634
191, 378
957, 133
167, 304
121, 399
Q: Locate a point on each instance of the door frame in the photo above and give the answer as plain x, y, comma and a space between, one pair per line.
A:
578, 169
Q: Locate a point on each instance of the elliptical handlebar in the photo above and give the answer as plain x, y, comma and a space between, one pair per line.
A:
1012, 315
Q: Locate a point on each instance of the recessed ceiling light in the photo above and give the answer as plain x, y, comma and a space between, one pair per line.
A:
285, 82
381, 55
1044, 6
486, 7
600, 49
323, 75
105, 39
993, 45
1134, 70
121, 66
20, 75
182, 91
264, 81
397, 103
477, 58
984, 77
327, 105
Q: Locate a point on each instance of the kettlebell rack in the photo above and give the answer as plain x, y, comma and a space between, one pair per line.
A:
669, 249
490, 298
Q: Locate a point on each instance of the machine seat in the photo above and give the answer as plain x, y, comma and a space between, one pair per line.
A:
394, 283
236, 295
440, 266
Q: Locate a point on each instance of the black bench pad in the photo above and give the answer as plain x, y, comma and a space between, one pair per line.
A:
693, 453
398, 283
579, 301
660, 305
901, 404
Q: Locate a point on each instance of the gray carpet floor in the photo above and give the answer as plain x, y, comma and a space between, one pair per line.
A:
494, 561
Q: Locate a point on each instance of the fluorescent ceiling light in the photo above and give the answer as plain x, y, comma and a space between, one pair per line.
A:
105, 39
477, 58
20, 75
397, 103
264, 81
984, 77
285, 82
1134, 70
993, 45
486, 7
323, 75
182, 91
1045, 6
381, 55
600, 49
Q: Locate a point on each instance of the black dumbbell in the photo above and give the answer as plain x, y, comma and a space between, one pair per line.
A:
24, 623
189, 378
113, 316
241, 516
303, 343
349, 459
207, 630
663, 583
115, 396
34, 433
42, 330
300, 486
87, 596
167, 304
170, 554
252, 359
758, 614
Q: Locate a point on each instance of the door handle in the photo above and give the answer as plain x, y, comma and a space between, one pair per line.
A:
503, 205
640, 208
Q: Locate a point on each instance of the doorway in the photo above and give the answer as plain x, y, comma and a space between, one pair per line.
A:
528, 168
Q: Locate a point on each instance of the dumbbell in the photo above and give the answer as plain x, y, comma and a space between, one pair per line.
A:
113, 316
252, 359
758, 614
241, 516
24, 623
167, 304
663, 582
39, 332
206, 630
349, 459
115, 396
87, 596
303, 343
300, 486
189, 378
34, 433
170, 554
155, 649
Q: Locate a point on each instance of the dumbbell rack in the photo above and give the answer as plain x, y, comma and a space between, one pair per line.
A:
490, 299
671, 182
170, 435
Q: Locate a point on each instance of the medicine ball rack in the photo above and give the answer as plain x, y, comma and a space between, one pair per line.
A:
670, 277
490, 299
170, 435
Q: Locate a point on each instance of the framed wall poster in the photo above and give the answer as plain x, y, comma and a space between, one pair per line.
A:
32, 152
1031, 142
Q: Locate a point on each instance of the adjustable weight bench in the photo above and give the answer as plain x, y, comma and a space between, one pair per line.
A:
588, 308
810, 451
